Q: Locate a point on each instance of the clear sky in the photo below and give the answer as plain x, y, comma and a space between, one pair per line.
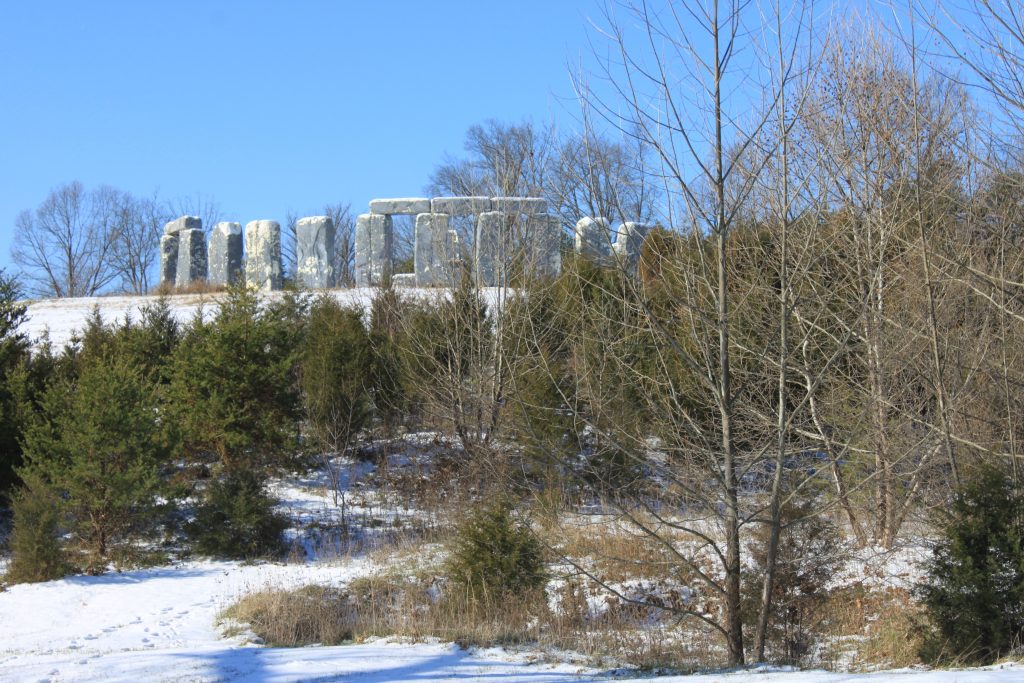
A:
267, 107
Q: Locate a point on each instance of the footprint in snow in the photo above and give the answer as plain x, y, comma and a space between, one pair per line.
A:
91, 637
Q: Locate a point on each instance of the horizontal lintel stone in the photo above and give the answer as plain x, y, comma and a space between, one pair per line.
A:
520, 205
460, 206
183, 223
402, 206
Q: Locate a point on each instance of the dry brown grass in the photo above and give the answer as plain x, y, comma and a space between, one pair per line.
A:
876, 628
388, 605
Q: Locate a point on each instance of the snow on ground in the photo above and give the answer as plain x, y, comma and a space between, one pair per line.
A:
62, 317
159, 625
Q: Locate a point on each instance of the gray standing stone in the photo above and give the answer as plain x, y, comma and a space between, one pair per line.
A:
520, 205
263, 255
191, 257
314, 251
168, 260
432, 251
403, 279
593, 238
629, 242
460, 206
545, 232
225, 254
491, 229
402, 206
374, 239
183, 223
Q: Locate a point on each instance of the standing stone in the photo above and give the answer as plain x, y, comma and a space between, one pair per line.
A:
374, 238
432, 252
314, 252
491, 227
263, 255
545, 254
403, 279
403, 206
191, 257
225, 254
592, 238
168, 260
629, 242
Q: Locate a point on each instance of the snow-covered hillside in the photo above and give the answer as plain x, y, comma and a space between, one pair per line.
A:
161, 623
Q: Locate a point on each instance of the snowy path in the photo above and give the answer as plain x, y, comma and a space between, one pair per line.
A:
158, 625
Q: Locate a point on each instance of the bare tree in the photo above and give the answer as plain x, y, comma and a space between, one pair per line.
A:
64, 247
140, 225
672, 90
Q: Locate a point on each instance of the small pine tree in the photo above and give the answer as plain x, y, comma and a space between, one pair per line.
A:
13, 354
232, 390
336, 374
975, 588
98, 444
493, 556
237, 519
35, 543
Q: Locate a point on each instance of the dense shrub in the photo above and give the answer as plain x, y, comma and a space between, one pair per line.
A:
35, 542
494, 556
237, 519
337, 373
975, 587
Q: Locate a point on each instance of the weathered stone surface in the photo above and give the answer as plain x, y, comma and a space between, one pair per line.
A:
491, 238
168, 260
460, 206
263, 255
225, 254
191, 257
545, 254
403, 279
519, 205
314, 252
433, 252
373, 243
592, 238
183, 223
401, 206
629, 242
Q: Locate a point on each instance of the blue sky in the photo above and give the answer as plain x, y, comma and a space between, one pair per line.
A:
267, 107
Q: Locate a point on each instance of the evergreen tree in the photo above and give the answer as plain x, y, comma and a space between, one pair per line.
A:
975, 588
337, 364
99, 446
13, 354
233, 387
37, 553
236, 518
494, 556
